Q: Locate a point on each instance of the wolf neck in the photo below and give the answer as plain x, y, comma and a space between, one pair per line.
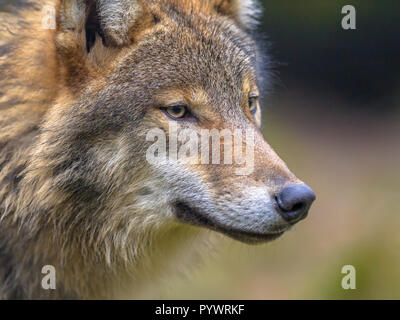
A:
82, 275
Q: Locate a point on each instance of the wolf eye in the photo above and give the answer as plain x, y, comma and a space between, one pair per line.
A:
177, 111
253, 103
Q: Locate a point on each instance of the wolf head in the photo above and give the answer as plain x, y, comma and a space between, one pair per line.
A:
140, 78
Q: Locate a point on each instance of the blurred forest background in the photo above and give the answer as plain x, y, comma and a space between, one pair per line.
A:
334, 117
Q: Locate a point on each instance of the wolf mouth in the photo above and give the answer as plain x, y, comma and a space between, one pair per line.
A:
190, 215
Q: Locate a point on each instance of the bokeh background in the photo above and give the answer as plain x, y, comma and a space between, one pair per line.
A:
334, 117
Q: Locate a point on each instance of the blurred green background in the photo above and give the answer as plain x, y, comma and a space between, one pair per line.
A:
333, 116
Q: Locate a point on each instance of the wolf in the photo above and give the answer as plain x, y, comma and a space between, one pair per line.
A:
76, 104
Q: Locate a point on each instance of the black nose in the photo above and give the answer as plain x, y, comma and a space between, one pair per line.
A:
294, 202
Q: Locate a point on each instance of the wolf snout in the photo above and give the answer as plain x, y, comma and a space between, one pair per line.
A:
294, 201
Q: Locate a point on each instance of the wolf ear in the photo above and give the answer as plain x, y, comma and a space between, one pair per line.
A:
114, 20
245, 12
